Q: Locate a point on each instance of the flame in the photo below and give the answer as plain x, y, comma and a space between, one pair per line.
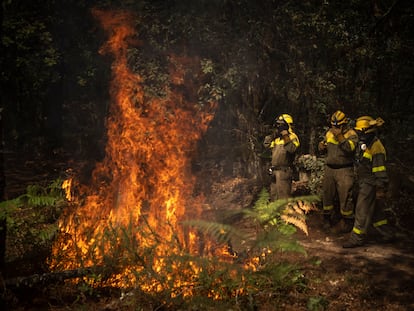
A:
144, 184
67, 187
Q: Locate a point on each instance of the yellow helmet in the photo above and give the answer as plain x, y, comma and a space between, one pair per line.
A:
286, 117
367, 124
338, 118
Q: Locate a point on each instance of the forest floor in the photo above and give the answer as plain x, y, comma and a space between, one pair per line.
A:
376, 276
373, 277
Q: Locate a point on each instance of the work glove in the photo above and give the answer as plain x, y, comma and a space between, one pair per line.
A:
337, 132
322, 145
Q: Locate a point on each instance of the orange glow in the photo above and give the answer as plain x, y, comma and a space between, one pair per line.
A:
145, 178
67, 187
143, 188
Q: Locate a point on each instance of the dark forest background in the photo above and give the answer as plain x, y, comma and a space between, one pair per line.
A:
307, 58
258, 59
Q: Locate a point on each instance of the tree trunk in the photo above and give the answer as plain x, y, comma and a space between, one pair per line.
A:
3, 223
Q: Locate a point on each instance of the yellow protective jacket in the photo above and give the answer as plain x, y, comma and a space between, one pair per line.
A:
283, 154
371, 166
341, 154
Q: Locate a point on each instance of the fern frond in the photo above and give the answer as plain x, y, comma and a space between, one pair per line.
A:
295, 208
297, 222
262, 200
278, 240
222, 233
306, 206
295, 212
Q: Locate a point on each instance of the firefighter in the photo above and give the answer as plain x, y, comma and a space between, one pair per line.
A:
339, 144
372, 184
284, 147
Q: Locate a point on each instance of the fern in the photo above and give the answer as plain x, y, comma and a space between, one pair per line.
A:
262, 200
292, 211
47, 233
8, 207
278, 221
24, 217
295, 214
222, 233
179, 278
38, 196
274, 240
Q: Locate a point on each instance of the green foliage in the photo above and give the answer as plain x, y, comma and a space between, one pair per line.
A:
314, 167
35, 53
31, 218
9, 207
317, 304
306, 58
36, 196
153, 68
276, 230
222, 233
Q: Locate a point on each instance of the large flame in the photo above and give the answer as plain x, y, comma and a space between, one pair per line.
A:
144, 182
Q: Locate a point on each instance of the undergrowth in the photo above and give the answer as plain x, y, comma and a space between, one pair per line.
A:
163, 274
31, 219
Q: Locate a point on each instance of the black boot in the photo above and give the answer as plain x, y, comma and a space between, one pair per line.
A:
326, 226
387, 233
344, 226
336, 217
347, 225
355, 240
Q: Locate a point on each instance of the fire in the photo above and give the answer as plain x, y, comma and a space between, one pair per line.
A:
143, 188
67, 187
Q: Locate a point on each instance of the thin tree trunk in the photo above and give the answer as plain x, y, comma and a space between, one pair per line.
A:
3, 223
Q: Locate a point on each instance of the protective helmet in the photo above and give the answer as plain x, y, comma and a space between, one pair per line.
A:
367, 124
338, 118
286, 117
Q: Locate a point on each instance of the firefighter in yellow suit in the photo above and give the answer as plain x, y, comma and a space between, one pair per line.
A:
372, 183
284, 148
339, 144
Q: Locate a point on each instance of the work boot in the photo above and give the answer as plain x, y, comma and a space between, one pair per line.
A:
344, 226
326, 225
347, 225
354, 241
335, 218
387, 233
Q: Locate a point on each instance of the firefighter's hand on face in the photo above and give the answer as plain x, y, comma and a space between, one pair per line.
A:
282, 128
336, 131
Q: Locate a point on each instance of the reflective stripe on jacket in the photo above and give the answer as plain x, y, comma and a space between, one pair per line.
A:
371, 167
341, 153
283, 153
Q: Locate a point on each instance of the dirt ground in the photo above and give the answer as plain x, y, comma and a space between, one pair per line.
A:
376, 276
373, 277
